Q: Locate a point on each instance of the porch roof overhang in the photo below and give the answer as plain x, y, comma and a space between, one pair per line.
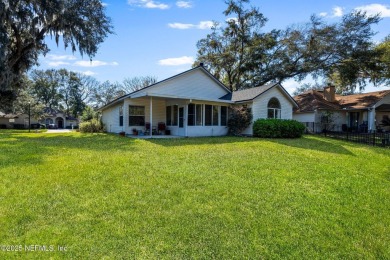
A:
383, 107
158, 95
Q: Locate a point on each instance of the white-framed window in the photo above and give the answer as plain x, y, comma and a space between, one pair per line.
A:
121, 115
172, 115
136, 115
274, 108
195, 114
224, 115
211, 115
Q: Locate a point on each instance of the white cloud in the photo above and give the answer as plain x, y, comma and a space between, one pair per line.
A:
57, 63
181, 26
184, 60
203, 25
184, 4
235, 19
374, 9
94, 63
148, 4
88, 73
290, 85
60, 57
323, 14
338, 11
104, 4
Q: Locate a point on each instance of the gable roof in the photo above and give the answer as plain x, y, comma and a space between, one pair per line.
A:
314, 99
247, 94
201, 68
252, 93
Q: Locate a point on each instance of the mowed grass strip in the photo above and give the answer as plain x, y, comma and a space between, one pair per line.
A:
105, 196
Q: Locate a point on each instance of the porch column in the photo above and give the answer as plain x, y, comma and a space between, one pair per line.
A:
371, 119
185, 120
151, 116
125, 111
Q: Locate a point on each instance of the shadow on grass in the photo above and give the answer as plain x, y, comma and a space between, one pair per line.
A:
314, 143
19, 149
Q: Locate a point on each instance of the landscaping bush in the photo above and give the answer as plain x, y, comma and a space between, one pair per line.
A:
276, 128
240, 118
3, 126
92, 126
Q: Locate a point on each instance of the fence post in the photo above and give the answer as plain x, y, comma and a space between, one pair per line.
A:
373, 139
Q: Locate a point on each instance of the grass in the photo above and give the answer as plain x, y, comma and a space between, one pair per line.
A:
103, 196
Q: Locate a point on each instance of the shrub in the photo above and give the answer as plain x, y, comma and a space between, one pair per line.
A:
240, 118
277, 128
92, 126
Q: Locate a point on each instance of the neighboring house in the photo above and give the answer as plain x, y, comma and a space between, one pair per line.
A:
52, 118
325, 109
192, 103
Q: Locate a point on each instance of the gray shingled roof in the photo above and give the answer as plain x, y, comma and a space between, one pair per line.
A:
247, 94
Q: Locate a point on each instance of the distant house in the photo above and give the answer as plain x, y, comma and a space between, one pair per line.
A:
357, 113
52, 118
192, 103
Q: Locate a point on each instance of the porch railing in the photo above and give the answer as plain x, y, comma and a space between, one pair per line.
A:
375, 139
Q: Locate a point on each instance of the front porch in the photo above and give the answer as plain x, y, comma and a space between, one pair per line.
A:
172, 117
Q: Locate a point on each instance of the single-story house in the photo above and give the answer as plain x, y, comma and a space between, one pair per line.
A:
52, 118
192, 103
357, 113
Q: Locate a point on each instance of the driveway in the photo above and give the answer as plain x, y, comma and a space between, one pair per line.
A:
58, 131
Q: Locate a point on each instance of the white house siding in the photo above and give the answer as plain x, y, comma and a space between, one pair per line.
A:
339, 118
304, 117
158, 108
308, 119
260, 106
110, 118
195, 84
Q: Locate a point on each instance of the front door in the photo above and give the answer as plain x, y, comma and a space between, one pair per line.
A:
60, 124
354, 120
181, 121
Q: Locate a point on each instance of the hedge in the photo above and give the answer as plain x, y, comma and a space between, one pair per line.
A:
92, 126
277, 128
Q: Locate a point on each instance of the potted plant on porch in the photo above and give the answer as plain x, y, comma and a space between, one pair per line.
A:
135, 132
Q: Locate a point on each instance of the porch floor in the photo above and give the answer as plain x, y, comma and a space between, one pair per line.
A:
154, 136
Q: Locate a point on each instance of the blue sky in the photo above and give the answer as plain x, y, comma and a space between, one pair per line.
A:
158, 37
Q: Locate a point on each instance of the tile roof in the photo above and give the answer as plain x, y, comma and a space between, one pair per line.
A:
364, 100
314, 99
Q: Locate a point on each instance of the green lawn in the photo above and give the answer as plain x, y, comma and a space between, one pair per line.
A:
105, 196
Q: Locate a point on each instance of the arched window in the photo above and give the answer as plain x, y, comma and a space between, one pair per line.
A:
274, 109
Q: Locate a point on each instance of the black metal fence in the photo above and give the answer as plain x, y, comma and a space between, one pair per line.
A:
375, 139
